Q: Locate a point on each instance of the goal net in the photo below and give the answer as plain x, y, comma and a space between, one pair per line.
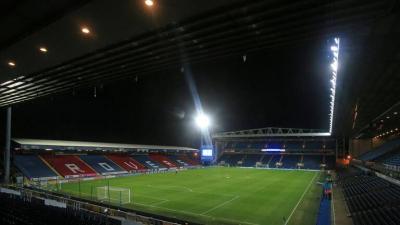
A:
114, 194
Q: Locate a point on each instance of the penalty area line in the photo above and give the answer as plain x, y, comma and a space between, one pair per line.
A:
301, 199
220, 205
196, 214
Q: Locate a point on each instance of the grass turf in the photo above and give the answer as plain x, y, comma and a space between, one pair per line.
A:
220, 195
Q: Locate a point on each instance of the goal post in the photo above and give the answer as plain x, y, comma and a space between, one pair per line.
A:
116, 195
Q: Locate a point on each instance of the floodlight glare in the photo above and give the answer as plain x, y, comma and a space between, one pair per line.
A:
202, 121
149, 2
334, 69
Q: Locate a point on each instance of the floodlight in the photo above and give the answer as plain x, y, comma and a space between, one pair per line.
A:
11, 63
334, 68
202, 121
85, 30
43, 49
149, 2
334, 65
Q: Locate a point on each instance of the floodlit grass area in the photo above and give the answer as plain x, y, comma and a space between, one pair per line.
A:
219, 195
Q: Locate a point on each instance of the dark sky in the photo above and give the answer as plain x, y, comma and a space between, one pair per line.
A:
283, 87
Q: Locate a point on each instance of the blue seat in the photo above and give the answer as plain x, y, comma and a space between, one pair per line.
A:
381, 150
145, 160
290, 161
312, 162
178, 161
393, 160
101, 164
33, 167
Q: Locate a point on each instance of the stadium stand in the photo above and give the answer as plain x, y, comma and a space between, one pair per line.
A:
102, 165
178, 161
224, 158
251, 160
233, 160
127, 163
272, 160
162, 159
290, 161
69, 165
149, 163
371, 200
381, 150
189, 160
393, 160
18, 210
33, 167
287, 161
312, 161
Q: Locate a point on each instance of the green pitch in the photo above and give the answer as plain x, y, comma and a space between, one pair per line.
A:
219, 195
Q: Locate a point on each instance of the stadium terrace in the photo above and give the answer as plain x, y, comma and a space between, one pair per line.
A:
228, 112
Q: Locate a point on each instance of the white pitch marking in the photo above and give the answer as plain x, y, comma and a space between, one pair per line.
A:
220, 205
159, 203
198, 192
196, 214
186, 188
301, 198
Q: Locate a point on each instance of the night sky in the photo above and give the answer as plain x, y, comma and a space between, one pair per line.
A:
283, 87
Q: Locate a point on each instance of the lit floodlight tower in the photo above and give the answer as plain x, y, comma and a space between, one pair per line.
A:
202, 121
206, 149
334, 69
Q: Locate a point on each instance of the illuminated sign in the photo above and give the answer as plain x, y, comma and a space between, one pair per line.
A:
207, 152
272, 150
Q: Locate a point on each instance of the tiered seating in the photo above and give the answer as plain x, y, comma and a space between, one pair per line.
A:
162, 159
189, 160
372, 200
393, 160
149, 163
272, 162
290, 161
69, 165
225, 158
33, 167
312, 161
17, 211
126, 162
381, 150
251, 160
233, 160
178, 161
102, 165
266, 158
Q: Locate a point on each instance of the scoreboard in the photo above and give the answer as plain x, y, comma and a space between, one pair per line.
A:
207, 154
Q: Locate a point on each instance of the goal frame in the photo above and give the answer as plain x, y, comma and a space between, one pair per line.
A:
107, 193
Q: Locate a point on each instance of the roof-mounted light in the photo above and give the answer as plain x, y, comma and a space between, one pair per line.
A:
11, 63
149, 2
43, 49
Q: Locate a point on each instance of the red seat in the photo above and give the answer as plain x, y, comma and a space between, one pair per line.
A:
163, 160
69, 166
188, 160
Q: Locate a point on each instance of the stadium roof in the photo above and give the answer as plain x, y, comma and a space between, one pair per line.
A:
273, 132
368, 84
142, 40
127, 39
84, 145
